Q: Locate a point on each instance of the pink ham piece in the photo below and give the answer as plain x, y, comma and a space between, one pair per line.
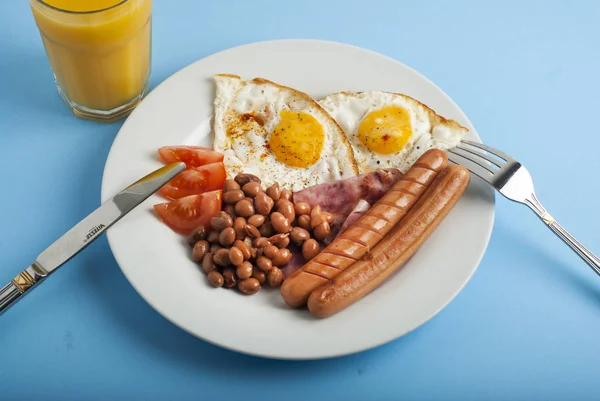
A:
361, 208
341, 222
347, 200
295, 263
340, 197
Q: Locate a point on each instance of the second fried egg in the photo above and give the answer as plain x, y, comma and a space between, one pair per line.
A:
388, 129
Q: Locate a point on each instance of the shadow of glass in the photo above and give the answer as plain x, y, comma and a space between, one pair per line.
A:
31, 83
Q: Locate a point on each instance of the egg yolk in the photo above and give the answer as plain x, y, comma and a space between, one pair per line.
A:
386, 131
297, 140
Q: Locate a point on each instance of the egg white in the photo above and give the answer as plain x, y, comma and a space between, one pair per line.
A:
245, 114
429, 130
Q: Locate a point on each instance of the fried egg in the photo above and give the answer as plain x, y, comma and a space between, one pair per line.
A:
278, 134
388, 129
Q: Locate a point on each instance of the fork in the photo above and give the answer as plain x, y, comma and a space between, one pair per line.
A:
511, 179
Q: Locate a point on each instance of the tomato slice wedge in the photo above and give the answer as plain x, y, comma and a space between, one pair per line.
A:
185, 214
192, 156
195, 181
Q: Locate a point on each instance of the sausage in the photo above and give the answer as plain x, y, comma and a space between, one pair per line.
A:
379, 220
395, 249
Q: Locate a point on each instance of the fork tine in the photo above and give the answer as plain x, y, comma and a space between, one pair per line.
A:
491, 150
496, 162
474, 159
476, 169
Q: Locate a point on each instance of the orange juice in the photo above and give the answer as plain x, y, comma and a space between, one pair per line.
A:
99, 51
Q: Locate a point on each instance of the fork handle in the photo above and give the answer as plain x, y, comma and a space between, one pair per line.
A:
563, 234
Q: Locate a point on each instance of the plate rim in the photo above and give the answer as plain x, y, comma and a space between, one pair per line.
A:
383, 341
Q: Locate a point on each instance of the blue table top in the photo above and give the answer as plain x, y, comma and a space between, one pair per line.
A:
525, 327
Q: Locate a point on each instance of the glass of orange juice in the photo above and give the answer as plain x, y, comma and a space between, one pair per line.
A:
99, 51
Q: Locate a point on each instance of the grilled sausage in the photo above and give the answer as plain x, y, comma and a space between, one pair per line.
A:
395, 249
367, 231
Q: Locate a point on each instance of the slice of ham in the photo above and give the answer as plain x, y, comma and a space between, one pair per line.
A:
341, 222
347, 200
340, 197
361, 208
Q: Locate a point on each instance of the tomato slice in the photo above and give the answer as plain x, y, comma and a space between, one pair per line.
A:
192, 156
195, 181
185, 214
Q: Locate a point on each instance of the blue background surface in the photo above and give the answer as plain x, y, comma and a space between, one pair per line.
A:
525, 327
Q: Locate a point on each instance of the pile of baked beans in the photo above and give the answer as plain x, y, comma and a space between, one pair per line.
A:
247, 242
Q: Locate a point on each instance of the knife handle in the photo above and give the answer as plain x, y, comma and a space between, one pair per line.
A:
8, 295
18, 286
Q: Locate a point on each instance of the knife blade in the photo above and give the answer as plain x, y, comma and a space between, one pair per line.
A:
85, 232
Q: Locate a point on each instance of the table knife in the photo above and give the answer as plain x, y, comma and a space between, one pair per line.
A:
84, 233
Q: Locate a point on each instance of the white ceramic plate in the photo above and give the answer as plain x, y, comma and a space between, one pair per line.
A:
157, 262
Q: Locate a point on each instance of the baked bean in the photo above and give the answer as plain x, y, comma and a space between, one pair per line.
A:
239, 225
197, 235
280, 202
261, 242
236, 257
227, 236
207, 263
271, 251
215, 247
254, 253
286, 194
266, 230
244, 208
304, 221
244, 270
280, 240
233, 196
264, 263
212, 237
280, 223
200, 250
310, 249
302, 208
274, 191
248, 241
298, 235
328, 217
245, 249
322, 231
228, 185
317, 219
229, 278
283, 257
251, 189
256, 220
230, 210
221, 257
263, 203
259, 275
243, 179
252, 231
275, 277
216, 279
220, 221
286, 208
249, 286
